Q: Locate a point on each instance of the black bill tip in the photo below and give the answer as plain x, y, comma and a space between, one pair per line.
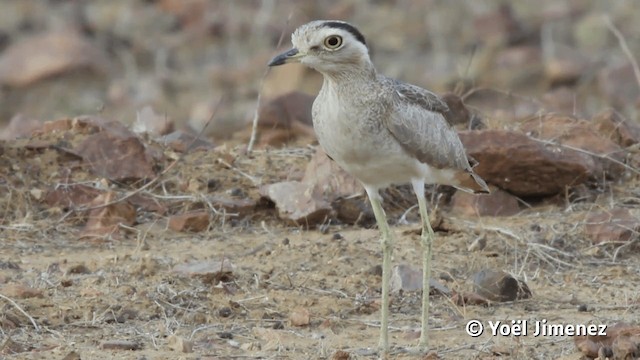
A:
283, 58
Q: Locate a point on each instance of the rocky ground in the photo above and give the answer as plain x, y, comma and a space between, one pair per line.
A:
136, 223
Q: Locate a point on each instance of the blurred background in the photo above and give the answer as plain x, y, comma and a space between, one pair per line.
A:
62, 58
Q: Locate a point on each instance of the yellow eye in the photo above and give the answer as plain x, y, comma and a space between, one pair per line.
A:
333, 42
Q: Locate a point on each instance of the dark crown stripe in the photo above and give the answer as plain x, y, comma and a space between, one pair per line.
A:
347, 27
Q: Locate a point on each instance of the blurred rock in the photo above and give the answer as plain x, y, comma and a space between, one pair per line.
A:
298, 202
19, 126
617, 224
354, 211
106, 217
179, 344
407, 278
148, 121
619, 85
300, 317
10, 347
241, 207
464, 299
195, 221
591, 33
610, 124
329, 178
70, 196
561, 100
123, 345
523, 166
458, 113
579, 134
40, 56
207, 268
497, 203
499, 26
19, 291
621, 341
183, 142
499, 286
285, 118
565, 69
116, 153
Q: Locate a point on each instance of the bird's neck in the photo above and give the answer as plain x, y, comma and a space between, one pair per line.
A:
350, 73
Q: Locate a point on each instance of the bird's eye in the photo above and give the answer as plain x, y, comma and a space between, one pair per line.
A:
333, 42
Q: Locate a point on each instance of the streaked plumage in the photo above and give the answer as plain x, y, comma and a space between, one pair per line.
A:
380, 130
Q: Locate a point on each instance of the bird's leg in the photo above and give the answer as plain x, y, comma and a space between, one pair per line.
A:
427, 240
387, 248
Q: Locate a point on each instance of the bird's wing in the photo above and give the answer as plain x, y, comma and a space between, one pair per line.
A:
419, 124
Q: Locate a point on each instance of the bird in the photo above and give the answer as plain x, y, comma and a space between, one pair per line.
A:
383, 132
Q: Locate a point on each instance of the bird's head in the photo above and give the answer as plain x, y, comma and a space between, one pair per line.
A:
327, 46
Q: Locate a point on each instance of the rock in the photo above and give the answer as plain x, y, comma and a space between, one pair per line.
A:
354, 211
297, 202
11, 347
617, 224
149, 122
70, 196
610, 124
19, 126
179, 344
183, 142
300, 317
499, 26
407, 278
499, 286
19, 291
44, 55
195, 221
241, 207
107, 215
327, 177
458, 113
211, 271
497, 203
112, 150
618, 84
579, 134
463, 299
120, 345
619, 342
523, 166
565, 68
286, 118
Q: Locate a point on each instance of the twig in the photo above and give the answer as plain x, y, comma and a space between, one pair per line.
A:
33, 322
254, 126
624, 46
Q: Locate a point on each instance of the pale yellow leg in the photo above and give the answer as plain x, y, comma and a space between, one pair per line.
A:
387, 249
427, 241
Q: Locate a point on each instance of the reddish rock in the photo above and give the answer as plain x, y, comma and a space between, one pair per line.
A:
578, 134
19, 126
115, 153
297, 202
524, 166
618, 224
19, 291
181, 141
71, 196
329, 178
618, 83
107, 215
120, 345
50, 53
241, 207
195, 221
148, 121
499, 286
497, 203
610, 124
285, 119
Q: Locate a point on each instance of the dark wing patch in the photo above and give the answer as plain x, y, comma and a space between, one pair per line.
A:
418, 123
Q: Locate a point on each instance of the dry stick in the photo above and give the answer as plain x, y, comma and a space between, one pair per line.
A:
254, 126
624, 46
155, 180
33, 322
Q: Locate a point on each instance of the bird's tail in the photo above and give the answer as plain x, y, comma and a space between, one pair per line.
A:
471, 182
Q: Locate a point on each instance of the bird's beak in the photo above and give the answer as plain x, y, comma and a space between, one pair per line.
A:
286, 57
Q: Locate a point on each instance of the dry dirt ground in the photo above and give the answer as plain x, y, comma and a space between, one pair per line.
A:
82, 293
